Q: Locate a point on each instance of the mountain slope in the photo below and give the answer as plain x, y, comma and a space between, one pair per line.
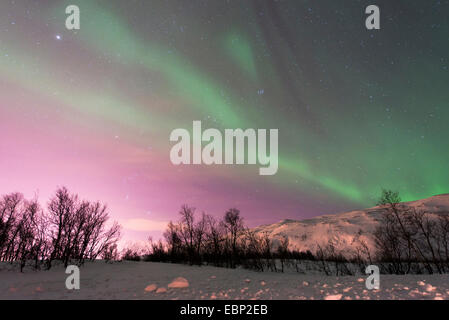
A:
344, 229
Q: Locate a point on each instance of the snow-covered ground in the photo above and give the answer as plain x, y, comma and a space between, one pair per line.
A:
148, 280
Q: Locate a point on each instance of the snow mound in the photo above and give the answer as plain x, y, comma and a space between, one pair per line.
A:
179, 282
150, 288
333, 297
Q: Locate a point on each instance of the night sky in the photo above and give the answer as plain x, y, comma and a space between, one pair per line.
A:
357, 110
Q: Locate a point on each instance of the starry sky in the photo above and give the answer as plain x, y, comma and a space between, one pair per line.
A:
92, 109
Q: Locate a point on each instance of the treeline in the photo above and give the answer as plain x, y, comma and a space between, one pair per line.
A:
225, 243
406, 241
68, 230
409, 240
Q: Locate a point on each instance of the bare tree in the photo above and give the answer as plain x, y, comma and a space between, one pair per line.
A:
393, 237
174, 243
187, 231
266, 251
110, 253
9, 231
409, 237
233, 224
215, 236
443, 239
70, 230
283, 251
61, 210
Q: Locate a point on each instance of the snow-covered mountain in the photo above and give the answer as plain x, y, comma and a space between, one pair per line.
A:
344, 229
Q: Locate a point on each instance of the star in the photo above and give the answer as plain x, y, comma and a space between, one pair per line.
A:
58, 37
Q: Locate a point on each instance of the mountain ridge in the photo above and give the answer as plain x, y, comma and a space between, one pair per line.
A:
345, 229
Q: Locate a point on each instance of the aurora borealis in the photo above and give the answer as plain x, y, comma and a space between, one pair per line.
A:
93, 109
